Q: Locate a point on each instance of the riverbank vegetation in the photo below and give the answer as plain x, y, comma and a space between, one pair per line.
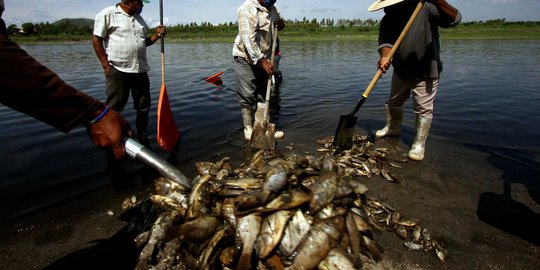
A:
80, 30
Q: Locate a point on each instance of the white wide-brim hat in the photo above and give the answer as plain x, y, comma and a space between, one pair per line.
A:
382, 4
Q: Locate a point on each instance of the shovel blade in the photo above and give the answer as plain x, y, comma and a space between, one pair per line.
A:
263, 136
344, 131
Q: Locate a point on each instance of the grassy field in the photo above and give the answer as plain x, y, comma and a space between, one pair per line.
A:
316, 34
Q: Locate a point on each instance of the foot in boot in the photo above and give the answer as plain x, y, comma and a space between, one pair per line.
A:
416, 153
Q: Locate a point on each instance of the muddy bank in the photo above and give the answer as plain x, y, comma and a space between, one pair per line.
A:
446, 192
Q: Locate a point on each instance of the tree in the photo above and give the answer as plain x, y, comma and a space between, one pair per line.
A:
28, 28
11, 29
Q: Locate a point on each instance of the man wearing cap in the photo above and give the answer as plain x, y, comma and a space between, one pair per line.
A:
417, 63
251, 51
120, 40
31, 88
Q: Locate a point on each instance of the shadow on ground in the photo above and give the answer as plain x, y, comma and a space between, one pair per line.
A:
501, 210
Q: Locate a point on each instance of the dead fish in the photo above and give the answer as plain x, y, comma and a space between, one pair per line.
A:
168, 203
228, 255
387, 176
257, 164
393, 164
295, 231
402, 232
285, 164
271, 232
439, 250
417, 234
326, 212
324, 190
205, 255
243, 183
407, 223
275, 180
354, 236
373, 248
228, 212
206, 167
158, 233
337, 259
321, 238
274, 263
286, 200
200, 229
246, 235
359, 188
198, 198
413, 246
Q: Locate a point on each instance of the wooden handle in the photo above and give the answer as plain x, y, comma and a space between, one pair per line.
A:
269, 86
394, 48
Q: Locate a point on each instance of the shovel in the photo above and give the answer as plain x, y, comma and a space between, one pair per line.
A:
137, 151
263, 131
345, 129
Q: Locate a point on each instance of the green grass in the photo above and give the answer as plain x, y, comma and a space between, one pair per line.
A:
318, 34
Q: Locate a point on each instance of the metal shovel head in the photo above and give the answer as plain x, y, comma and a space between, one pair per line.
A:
344, 131
263, 136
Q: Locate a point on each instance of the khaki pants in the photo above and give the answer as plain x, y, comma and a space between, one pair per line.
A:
424, 91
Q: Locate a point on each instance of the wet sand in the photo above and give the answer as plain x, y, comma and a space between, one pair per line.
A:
456, 192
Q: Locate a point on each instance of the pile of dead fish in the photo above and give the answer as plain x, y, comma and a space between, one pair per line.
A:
277, 212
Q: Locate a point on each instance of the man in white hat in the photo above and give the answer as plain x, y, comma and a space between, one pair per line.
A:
417, 63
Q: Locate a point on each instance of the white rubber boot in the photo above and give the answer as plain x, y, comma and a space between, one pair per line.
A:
278, 134
419, 145
394, 115
248, 122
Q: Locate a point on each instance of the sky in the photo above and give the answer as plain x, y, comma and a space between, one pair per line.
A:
224, 11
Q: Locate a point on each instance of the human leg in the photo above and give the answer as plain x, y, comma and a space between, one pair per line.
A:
245, 93
424, 95
117, 89
141, 103
399, 93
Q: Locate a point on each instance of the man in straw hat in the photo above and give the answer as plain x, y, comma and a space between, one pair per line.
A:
417, 63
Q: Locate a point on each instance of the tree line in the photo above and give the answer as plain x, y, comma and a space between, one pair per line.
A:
85, 26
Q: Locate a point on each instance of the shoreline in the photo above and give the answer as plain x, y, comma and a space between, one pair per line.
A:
293, 35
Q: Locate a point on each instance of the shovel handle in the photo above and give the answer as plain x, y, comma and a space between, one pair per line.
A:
269, 84
390, 55
137, 151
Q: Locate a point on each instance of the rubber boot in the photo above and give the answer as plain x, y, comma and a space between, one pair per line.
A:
248, 122
394, 115
419, 145
142, 127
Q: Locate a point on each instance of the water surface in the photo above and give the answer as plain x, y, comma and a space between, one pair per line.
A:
487, 104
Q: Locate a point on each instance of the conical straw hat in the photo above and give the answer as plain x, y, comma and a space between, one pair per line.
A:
382, 4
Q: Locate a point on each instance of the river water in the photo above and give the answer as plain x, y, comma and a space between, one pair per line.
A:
487, 104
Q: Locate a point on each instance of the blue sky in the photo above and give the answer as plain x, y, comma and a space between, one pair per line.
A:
213, 11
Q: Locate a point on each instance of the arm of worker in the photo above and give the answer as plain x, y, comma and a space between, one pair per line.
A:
35, 90
108, 129
280, 24
449, 16
97, 43
246, 30
160, 31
